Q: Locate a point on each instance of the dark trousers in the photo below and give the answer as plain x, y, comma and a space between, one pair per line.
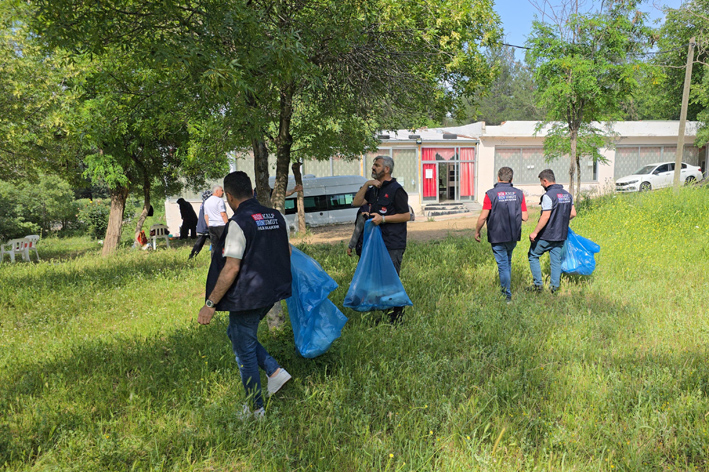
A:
215, 233
397, 255
201, 239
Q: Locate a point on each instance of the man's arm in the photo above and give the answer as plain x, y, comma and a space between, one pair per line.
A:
482, 219
525, 215
297, 188
358, 199
206, 218
573, 212
226, 279
543, 220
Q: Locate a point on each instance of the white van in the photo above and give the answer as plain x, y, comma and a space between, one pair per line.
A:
328, 200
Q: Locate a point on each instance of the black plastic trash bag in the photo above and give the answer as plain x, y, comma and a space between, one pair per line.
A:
375, 285
316, 321
577, 255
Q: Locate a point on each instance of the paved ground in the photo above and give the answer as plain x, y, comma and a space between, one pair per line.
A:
420, 230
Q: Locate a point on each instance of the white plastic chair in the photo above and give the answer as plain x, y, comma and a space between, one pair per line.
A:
15, 246
159, 231
33, 239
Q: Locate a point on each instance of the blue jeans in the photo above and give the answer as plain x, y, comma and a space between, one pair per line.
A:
503, 256
250, 354
536, 249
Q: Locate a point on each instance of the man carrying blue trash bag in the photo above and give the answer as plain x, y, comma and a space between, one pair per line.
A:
389, 210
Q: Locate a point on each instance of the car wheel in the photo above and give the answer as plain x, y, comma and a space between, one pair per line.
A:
690, 180
645, 186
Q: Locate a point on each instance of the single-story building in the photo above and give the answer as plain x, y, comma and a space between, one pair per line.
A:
455, 166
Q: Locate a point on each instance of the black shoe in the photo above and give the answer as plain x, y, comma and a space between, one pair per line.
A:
534, 288
553, 290
396, 316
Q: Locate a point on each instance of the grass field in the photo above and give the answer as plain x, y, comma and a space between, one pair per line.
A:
103, 367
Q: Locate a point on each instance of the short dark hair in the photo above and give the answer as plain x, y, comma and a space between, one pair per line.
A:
505, 174
238, 185
547, 174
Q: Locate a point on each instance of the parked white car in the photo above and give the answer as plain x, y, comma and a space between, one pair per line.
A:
659, 175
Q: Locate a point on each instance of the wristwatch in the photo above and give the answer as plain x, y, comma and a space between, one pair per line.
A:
209, 303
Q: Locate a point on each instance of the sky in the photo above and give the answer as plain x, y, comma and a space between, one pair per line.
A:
517, 16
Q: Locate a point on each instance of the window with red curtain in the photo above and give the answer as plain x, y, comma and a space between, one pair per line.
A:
430, 184
467, 172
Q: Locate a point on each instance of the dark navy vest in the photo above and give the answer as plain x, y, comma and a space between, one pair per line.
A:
264, 275
382, 200
557, 227
504, 223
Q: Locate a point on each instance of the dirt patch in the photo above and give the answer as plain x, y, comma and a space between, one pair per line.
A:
417, 231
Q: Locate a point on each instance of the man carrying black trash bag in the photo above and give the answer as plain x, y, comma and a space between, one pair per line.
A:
389, 210
250, 271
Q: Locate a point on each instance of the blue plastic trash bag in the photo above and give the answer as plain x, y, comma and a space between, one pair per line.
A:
577, 255
375, 285
316, 321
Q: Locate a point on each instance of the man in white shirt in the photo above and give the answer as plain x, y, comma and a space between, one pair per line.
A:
215, 214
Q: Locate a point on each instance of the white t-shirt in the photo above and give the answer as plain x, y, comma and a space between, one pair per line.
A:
235, 241
213, 208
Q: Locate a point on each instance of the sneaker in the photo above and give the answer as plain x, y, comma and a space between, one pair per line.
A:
508, 300
277, 381
245, 414
553, 290
534, 288
259, 414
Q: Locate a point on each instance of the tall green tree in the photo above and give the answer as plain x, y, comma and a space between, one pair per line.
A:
33, 91
359, 64
510, 97
585, 68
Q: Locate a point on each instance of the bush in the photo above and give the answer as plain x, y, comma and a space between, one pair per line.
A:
93, 215
41, 207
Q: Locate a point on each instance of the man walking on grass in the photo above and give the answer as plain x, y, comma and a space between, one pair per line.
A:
504, 210
551, 230
389, 210
250, 271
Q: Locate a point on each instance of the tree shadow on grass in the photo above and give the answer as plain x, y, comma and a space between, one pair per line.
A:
150, 390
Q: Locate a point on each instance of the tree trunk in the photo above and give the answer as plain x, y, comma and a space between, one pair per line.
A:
115, 220
146, 207
284, 142
263, 189
298, 176
573, 135
578, 178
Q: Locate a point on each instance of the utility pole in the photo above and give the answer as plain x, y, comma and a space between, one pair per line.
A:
683, 115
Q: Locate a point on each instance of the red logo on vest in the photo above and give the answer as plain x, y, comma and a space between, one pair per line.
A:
257, 216
386, 195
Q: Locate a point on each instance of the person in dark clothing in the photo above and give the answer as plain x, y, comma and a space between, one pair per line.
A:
202, 228
389, 210
504, 210
250, 271
551, 231
189, 219
356, 239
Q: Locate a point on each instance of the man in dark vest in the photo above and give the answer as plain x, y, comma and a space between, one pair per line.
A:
549, 235
250, 271
389, 210
504, 210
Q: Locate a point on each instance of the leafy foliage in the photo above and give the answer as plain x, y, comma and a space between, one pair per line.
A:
36, 207
584, 73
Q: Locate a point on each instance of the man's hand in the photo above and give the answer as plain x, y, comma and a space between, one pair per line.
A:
374, 183
349, 251
477, 236
205, 315
377, 219
533, 236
